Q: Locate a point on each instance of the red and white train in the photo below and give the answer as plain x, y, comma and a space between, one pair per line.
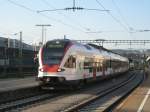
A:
63, 61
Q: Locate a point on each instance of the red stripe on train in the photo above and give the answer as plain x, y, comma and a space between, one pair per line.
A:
47, 68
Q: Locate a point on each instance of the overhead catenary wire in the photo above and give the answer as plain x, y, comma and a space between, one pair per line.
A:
69, 8
60, 21
123, 18
67, 17
56, 20
20, 5
120, 13
132, 30
113, 17
63, 23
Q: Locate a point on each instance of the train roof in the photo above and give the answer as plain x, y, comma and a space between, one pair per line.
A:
92, 48
62, 40
102, 48
107, 53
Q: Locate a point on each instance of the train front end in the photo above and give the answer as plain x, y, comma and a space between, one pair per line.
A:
50, 59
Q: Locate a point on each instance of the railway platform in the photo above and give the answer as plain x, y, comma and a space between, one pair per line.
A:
139, 100
12, 89
17, 83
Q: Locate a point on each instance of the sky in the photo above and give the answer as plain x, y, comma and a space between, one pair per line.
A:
121, 20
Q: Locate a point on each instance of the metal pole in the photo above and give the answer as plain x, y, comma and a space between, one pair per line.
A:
73, 5
42, 34
20, 54
43, 26
45, 35
8, 42
5, 58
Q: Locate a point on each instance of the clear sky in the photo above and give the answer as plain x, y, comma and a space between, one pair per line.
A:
123, 21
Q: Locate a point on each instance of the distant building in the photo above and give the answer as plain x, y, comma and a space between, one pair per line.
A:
14, 43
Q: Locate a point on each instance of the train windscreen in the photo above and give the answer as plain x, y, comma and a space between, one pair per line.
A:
53, 52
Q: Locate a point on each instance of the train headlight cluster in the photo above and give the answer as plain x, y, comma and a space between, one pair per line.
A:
41, 69
60, 70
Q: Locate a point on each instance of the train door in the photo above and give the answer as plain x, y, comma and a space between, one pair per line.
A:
94, 72
79, 67
103, 68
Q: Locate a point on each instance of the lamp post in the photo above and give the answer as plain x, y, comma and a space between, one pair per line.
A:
5, 56
43, 27
20, 53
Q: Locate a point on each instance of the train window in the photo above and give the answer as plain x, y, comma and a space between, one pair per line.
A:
52, 56
87, 47
71, 62
87, 65
90, 70
98, 69
2, 52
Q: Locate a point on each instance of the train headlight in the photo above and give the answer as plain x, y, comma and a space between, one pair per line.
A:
41, 69
60, 70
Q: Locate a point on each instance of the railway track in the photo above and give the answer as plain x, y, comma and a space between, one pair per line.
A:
106, 100
20, 103
87, 98
77, 100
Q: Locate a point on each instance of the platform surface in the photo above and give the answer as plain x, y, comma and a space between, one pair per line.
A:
139, 100
12, 84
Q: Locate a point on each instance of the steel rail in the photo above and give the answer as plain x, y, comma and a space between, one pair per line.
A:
25, 101
102, 94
